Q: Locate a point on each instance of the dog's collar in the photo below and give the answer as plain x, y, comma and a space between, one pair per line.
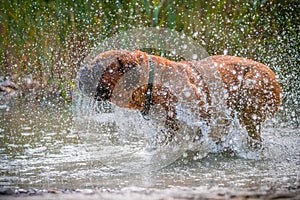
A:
145, 112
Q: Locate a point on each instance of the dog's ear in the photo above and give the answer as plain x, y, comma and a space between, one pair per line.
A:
131, 75
131, 79
123, 64
127, 61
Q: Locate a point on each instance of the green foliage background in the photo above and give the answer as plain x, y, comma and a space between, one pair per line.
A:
48, 39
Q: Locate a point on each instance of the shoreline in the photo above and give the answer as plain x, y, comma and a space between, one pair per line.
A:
136, 193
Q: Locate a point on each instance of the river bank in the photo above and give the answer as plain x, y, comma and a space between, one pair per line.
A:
145, 193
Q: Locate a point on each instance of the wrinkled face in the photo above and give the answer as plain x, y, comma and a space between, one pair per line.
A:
117, 79
90, 74
120, 78
114, 76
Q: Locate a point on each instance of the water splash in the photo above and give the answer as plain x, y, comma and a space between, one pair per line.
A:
130, 136
128, 142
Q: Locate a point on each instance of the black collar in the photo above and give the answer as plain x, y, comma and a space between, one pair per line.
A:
145, 112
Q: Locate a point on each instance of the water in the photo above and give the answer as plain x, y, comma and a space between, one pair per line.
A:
47, 145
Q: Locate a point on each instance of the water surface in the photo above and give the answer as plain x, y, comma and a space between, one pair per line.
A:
46, 145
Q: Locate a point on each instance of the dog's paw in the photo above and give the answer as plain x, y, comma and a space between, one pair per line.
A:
254, 144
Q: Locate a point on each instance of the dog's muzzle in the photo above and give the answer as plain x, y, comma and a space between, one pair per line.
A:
88, 78
103, 93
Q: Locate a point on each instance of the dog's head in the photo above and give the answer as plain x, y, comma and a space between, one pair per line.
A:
114, 76
91, 78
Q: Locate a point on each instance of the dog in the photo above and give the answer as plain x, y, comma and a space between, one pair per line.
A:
210, 90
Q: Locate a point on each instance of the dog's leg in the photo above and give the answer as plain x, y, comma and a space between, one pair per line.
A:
258, 100
253, 92
252, 126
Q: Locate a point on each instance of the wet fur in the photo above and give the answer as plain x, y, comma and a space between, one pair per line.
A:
252, 88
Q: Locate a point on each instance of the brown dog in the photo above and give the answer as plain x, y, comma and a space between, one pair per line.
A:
209, 90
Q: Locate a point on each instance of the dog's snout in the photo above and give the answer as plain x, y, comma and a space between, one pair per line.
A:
103, 93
